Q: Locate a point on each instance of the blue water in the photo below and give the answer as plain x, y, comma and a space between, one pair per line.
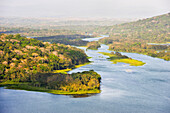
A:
125, 89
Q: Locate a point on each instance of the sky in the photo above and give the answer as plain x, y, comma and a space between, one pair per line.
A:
84, 8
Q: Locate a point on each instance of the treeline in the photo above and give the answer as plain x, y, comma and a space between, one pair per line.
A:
39, 26
67, 39
21, 57
119, 55
87, 80
93, 45
137, 46
24, 31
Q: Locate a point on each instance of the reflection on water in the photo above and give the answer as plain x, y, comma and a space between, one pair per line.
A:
82, 95
76, 95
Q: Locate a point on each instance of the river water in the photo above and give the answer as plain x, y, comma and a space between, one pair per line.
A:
125, 89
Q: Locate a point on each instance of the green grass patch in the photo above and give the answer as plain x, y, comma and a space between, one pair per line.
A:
89, 57
115, 59
132, 62
77, 66
92, 49
77, 92
8, 82
64, 71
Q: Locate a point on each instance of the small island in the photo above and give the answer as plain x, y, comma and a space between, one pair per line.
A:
118, 57
93, 45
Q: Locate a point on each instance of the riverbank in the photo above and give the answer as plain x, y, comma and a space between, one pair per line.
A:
27, 87
85, 82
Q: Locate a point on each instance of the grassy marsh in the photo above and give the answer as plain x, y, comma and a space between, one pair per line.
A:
115, 59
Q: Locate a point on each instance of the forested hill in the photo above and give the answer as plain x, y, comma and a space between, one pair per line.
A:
155, 29
148, 36
21, 57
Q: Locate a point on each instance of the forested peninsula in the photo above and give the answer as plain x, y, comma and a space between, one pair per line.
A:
30, 62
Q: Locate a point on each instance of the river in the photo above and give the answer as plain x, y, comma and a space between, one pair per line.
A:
125, 89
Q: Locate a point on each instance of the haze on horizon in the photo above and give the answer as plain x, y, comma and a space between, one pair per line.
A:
84, 8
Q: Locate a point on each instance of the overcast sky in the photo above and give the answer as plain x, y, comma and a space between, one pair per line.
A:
84, 8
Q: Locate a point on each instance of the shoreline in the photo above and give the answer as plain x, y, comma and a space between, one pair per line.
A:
27, 87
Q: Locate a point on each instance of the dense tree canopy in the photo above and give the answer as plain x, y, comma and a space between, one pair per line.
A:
87, 80
21, 57
67, 39
93, 45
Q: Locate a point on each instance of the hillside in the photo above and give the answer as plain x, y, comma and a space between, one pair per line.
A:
155, 29
148, 36
22, 57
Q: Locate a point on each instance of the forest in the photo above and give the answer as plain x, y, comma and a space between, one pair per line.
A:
57, 83
31, 32
93, 45
138, 46
137, 36
21, 57
67, 39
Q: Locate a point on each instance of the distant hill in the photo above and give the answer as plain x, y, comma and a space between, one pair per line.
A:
55, 22
152, 29
54, 26
148, 36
